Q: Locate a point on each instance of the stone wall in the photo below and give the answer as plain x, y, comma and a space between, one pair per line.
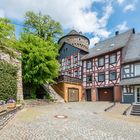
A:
77, 41
16, 62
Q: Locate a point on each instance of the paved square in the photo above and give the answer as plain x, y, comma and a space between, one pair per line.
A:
84, 121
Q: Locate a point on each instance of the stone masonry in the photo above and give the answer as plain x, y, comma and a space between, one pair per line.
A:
16, 62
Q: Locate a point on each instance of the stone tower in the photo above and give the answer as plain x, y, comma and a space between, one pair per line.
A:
75, 39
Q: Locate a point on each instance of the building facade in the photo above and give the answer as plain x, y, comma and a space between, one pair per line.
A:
72, 48
99, 73
131, 72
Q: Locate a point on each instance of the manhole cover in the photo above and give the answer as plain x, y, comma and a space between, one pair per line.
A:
60, 116
95, 113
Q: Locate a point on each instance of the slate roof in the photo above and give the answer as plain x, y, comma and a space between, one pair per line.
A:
109, 45
73, 32
133, 49
130, 81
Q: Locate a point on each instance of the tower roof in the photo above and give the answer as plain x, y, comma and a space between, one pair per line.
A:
73, 32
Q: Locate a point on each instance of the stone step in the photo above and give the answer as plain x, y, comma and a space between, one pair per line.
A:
137, 114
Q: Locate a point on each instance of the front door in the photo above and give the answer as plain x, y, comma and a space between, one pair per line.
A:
73, 95
137, 94
88, 94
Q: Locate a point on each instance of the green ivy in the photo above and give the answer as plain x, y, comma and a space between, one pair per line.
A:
8, 82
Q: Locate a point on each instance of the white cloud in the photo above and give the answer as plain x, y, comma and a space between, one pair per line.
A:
2, 13
122, 27
76, 14
94, 40
129, 7
120, 1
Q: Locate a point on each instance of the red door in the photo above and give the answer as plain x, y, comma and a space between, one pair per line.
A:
105, 94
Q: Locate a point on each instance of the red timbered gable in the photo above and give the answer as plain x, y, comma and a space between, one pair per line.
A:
105, 75
71, 66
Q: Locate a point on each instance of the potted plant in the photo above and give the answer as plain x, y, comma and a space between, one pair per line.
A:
2, 106
11, 103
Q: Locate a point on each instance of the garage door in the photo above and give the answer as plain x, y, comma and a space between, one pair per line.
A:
105, 94
73, 95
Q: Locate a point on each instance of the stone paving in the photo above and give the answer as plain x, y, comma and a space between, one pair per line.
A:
85, 121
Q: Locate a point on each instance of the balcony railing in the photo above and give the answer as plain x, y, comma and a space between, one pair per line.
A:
64, 78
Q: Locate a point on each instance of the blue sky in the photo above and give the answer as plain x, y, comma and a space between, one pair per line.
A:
97, 19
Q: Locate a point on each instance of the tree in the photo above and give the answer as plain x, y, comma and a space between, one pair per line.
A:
39, 60
43, 26
7, 36
39, 50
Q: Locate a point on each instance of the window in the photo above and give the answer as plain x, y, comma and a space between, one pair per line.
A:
89, 78
101, 61
101, 77
112, 75
69, 62
75, 59
76, 73
137, 70
69, 73
112, 59
89, 64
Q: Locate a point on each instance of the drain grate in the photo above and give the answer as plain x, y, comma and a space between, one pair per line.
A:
61, 116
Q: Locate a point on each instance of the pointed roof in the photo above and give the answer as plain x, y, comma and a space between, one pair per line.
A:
133, 49
109, 45
73, 32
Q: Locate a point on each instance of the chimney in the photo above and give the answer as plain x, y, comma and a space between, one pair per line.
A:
116, 33
133, 30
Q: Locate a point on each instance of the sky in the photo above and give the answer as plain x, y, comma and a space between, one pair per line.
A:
97, 19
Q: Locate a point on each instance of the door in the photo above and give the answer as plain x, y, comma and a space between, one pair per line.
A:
137, 93
105, 94
73, 95
88, 94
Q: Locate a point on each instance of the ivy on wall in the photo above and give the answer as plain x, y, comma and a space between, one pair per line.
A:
8, 82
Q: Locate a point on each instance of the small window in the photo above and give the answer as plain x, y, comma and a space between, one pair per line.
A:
101, 77
137, 70
69, 62
112, 59
112, 75
76, 73
69, 73
75, 59
89, 79
101, 61
89, 64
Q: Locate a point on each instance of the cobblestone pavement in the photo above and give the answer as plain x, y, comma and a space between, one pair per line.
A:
85, 121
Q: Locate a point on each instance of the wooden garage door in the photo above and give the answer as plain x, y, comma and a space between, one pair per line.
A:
105, 94
73, 95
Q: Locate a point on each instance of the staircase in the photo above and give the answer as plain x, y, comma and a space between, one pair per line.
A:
135, 110
55, 96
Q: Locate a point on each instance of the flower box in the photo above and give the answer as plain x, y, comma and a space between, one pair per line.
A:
11, 104
2, 106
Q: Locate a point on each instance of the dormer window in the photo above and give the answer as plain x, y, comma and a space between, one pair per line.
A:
101, 61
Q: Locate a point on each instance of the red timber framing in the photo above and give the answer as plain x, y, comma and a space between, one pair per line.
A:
72, 66
106, 69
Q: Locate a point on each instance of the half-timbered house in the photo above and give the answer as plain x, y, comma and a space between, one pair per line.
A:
131, 71
102, 68
73, 47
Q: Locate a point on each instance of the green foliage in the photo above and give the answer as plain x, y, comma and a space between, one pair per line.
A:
8, 82
7, 32
7, 36
43, 26
39, 59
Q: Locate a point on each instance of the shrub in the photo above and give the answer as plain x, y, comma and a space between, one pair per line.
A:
8, 82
